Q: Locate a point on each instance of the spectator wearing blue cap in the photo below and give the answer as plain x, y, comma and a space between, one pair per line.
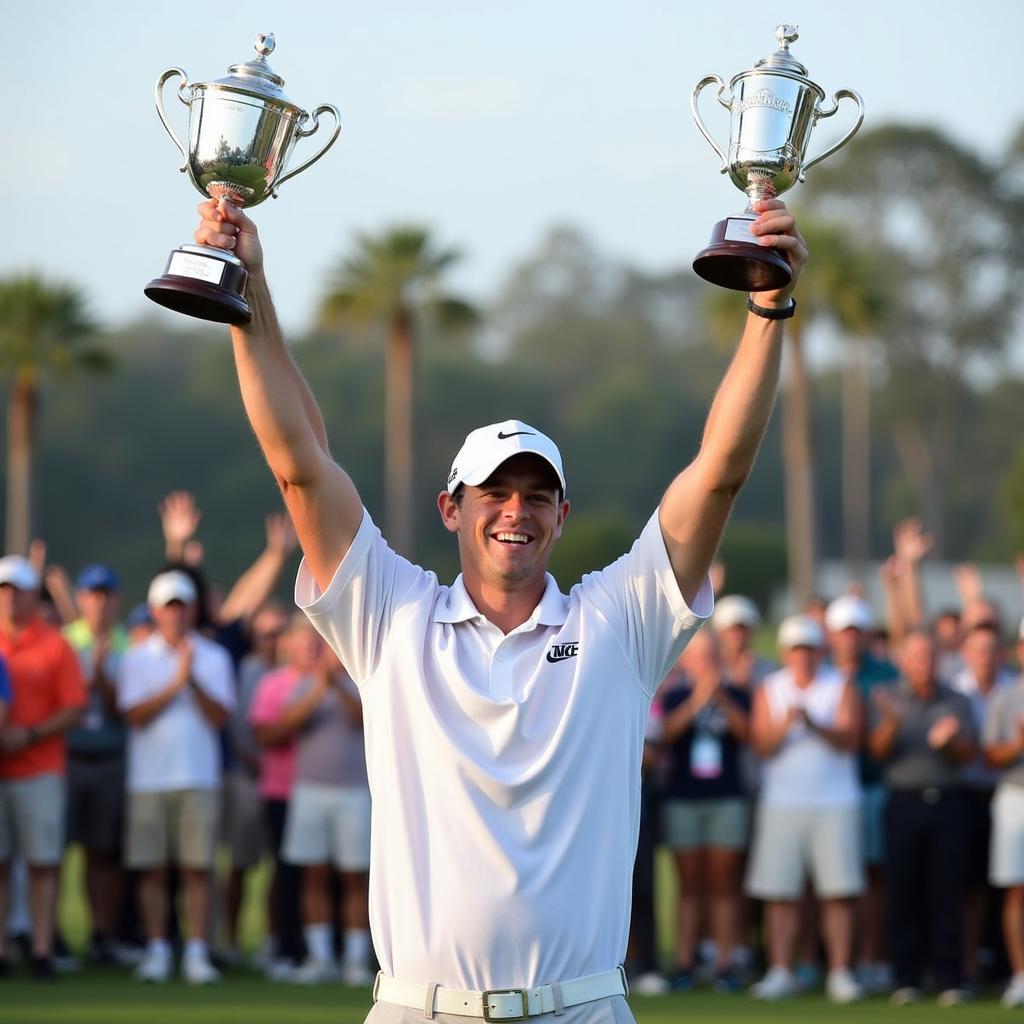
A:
139, 624
95, 808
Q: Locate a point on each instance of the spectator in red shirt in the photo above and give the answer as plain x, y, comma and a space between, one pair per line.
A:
48, 697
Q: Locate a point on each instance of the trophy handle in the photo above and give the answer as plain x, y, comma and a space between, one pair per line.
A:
842, 94
161, 81
697, 90
324, 108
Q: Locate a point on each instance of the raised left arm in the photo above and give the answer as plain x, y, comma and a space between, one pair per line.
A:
698, 502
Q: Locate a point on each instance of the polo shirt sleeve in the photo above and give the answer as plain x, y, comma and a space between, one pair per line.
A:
370, 587
639, 598
71, 691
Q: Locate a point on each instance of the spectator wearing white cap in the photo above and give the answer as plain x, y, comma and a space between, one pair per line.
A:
736, 620
48, 695
1003, 740
175, 690
806, 726
850, 622
504, 719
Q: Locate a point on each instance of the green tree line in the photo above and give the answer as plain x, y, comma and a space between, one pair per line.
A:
618, 364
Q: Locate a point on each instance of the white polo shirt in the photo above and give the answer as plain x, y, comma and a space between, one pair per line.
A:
505, 770
178, 749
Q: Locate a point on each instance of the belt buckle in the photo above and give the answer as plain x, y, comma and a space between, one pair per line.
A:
521, 992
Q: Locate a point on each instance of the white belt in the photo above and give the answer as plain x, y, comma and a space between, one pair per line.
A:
503, 1003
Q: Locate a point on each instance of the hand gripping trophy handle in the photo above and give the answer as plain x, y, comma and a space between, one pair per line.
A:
697, 90
182, 89
304, 132
842, 94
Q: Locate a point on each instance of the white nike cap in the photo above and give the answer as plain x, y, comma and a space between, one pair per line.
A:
486, 448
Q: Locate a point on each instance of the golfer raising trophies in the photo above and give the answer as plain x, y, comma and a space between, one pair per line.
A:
504, 719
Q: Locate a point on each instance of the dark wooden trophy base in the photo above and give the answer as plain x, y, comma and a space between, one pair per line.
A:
203, 282
733, 260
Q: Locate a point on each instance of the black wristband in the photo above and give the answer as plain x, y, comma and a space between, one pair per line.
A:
771, 314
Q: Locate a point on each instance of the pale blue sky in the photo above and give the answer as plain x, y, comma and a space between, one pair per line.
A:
487, 121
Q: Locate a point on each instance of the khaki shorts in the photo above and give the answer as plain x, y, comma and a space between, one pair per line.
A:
1006, 852
241, 819
328, 824
177, 827
791, 843
695, 824
32, 819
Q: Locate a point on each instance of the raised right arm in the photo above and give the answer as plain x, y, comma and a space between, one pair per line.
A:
321, 498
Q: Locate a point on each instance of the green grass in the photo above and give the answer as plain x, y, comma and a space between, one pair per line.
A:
111, 997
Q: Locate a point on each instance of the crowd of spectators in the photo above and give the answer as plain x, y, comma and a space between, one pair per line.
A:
853, 813
850, 814
177, 751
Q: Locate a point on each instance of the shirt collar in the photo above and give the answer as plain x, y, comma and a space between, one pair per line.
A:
457, 606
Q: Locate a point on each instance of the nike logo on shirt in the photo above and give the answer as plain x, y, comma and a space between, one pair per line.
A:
560, 652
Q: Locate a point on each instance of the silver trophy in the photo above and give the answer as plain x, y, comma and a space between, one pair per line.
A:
241, 131
774, 106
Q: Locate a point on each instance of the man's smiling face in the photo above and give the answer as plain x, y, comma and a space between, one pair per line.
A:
508, 525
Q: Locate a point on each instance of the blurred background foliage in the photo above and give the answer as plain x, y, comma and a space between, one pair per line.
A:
619, 365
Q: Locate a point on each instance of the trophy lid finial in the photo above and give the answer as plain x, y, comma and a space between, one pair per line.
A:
782, 59
257, 77
785, 34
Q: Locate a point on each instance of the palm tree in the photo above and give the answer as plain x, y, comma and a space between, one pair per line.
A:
392, 280
847, 285
44, 330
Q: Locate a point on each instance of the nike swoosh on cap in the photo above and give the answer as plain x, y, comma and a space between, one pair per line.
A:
514, 433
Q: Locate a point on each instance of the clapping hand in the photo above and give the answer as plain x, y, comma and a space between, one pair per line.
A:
942, 731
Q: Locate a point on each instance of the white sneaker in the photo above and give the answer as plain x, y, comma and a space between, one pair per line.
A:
197, 970
842, 987
953, 997
1014, 994
650, 983
357, 975
778, 983
154, 967
316, 972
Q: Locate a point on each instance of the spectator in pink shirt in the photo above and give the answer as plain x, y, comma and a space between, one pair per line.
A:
274, 719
